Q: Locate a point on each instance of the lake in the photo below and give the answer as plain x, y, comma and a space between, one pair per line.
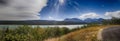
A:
68, 26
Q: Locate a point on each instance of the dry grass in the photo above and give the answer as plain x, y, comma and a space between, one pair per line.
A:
87, 34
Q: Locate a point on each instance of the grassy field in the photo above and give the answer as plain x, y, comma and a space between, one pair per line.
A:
86, 34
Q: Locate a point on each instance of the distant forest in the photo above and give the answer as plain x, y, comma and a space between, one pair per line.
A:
112, 21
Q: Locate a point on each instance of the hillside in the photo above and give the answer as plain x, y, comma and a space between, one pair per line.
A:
87, 34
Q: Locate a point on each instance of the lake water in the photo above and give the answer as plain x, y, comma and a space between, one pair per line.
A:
68, 26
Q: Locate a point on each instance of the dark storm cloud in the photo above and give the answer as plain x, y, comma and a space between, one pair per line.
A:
3, 1
21, 9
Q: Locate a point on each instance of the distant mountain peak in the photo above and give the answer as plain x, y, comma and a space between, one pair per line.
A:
88, 20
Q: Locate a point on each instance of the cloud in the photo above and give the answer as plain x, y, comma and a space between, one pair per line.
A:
21, 9
89, 15
50, 18
115, 14
61, 1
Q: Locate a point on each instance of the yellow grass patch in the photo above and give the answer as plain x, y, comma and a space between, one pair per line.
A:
86, 34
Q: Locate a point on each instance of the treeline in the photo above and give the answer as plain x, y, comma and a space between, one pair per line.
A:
114, 20
28, 33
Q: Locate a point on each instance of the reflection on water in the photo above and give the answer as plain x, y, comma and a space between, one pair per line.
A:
68, 26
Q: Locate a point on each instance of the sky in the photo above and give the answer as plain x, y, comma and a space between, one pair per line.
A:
82, 9
58, 9
17, 10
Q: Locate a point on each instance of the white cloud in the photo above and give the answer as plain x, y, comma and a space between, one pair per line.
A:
50, 18
21, 9
61, 1
89, 15
113, 14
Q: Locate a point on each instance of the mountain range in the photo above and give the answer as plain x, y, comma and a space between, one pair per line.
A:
67, 21
88, 20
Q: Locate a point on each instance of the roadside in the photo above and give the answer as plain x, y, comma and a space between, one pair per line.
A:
87, 34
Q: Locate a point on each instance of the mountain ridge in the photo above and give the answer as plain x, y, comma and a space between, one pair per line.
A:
70, 21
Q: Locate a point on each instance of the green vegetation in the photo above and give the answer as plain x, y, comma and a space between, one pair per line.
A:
28, 33
113, 21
